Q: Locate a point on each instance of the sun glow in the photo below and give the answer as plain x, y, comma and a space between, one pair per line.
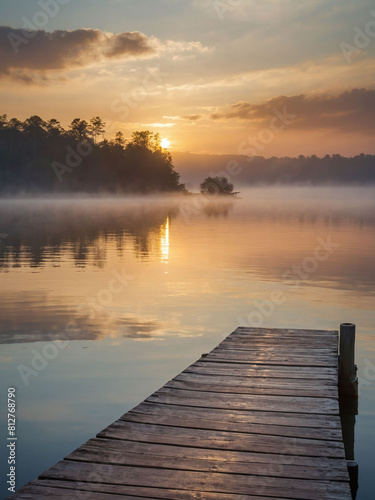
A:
164, 143
164, 241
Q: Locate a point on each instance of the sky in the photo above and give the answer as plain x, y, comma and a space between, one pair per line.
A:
273, 78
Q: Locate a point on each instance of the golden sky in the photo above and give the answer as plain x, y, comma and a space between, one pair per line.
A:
277, 77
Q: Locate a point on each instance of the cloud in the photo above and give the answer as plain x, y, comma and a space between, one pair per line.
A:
349, 111
173, 47
133, 329
125, 44
158, 125
41, 51
192, 117
31, 56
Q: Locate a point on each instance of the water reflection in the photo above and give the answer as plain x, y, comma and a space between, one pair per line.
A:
59, 260
36, 232
34, 317
218, 209
61, 263
164, 240
348, 413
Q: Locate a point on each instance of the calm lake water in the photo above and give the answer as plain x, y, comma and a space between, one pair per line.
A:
104, 300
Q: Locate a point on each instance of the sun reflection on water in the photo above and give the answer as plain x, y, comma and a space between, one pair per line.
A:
164, 241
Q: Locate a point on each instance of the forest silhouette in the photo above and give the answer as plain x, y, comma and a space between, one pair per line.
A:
41, 156
329, 170
38, 156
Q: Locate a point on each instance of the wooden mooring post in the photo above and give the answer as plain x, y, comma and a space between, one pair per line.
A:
348, 380
348, 392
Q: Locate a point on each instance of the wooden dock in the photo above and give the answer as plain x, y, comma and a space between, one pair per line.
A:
257, 418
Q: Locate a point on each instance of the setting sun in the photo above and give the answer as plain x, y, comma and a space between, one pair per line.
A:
165, 143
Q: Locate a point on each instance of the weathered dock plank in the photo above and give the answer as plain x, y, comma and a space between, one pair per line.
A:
95, 491
247, 401
204, 420
324, 375
93, 452
257, 418
213, 482
219, 383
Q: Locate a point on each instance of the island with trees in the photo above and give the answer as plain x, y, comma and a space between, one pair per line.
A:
218, 185
41, 156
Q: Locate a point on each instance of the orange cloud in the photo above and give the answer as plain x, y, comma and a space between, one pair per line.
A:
192, 117
349, 111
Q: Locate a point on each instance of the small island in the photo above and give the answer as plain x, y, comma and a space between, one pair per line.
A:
217, 186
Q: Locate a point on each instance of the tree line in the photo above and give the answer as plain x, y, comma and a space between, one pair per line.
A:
311, 170
41, 156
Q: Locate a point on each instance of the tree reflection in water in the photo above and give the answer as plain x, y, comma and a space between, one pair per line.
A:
40, 231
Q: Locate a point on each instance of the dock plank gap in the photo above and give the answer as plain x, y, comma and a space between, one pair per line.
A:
257, 418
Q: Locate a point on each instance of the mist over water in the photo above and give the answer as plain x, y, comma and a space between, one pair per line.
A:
36, 232
131, 290
258, 236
